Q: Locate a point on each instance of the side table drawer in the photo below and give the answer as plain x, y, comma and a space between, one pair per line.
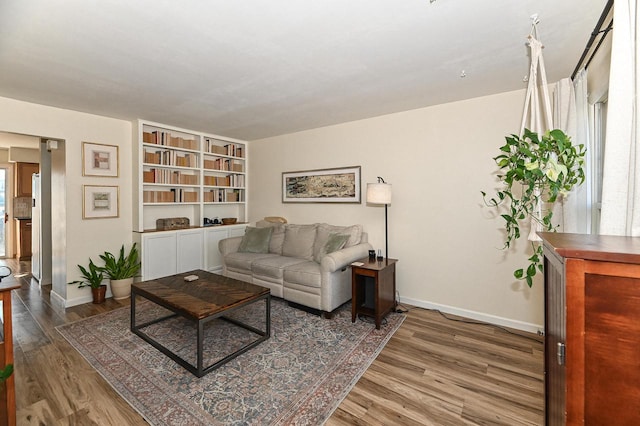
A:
366, 272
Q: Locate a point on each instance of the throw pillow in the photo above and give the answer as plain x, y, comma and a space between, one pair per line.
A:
255, 240
335, 242
324, 230
277, 236
298, 241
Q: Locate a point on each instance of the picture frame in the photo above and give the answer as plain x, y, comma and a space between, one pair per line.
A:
100, 201
99, 159
335, 185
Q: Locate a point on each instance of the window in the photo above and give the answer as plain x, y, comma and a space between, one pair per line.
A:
597, 161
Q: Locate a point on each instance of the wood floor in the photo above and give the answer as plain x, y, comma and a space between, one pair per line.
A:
433, 371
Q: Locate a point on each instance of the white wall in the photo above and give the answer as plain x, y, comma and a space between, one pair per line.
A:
24, 155
438, 159
75, 239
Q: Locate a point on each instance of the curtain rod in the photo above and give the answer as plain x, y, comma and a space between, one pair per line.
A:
597, 30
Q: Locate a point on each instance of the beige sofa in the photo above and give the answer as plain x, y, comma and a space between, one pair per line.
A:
297, 262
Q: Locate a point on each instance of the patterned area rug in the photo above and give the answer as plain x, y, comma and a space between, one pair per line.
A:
298, 376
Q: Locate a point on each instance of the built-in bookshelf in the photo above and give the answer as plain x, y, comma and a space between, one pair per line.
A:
185, 173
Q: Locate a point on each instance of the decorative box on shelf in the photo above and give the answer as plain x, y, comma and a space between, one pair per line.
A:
172, 223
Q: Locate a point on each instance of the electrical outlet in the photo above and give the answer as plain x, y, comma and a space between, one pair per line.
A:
540, 332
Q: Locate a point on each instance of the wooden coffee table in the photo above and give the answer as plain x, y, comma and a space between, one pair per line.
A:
210, 297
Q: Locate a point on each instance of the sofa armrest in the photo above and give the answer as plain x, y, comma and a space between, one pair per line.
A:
343, 258
229, 245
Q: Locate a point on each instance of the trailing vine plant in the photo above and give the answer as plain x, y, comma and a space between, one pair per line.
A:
535, 170
5, 373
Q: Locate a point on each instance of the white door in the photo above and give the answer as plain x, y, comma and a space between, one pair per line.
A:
4, 217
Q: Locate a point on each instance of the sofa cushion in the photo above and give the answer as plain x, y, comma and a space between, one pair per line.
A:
306, 274
298, 241
274, 267
325, 230
255, 240
242, 261
335, 242
277, 235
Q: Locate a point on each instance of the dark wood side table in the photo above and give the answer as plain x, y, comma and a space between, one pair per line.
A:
373, 287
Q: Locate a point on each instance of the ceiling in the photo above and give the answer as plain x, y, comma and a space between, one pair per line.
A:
258, 68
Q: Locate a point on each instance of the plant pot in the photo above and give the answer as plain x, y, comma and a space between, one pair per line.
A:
121, 289
99, 294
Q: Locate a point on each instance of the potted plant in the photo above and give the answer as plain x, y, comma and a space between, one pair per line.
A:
535, 170
93, 278
121, 270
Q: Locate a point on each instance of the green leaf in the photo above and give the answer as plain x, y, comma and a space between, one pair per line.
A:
6, 372
529, 281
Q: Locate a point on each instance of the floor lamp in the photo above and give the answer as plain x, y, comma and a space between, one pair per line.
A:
380, 193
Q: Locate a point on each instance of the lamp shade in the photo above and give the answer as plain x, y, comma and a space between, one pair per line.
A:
379, 193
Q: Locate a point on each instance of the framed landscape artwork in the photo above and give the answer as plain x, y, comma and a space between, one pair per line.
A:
340, 185
100, 202
99, 159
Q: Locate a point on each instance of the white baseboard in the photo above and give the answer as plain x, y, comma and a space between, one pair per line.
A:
57, 300
477, 316
78, 301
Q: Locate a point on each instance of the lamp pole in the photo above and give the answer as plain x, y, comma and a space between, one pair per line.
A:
386, 233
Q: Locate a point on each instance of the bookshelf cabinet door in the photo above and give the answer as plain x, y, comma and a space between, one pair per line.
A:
159, 255
190, 245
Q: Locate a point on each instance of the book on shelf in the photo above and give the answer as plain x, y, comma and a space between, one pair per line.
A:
236, 166
165, 138
168, 176
166, 157
158, 196
187, 179
221, 196
217, 149
215, 146
188, 196
234, 150
148, 176
174, 195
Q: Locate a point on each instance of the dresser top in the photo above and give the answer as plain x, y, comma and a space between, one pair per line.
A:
608, 248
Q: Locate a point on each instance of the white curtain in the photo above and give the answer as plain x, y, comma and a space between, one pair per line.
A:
621, 174
571, 115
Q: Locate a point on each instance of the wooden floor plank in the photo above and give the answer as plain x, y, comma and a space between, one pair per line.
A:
433, 371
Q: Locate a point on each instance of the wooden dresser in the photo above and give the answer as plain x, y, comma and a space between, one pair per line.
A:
7, 390
592, 329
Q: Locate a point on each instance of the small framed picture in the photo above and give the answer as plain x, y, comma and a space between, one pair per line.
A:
99, 159
100, 202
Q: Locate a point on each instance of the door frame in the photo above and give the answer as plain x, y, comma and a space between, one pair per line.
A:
8, 208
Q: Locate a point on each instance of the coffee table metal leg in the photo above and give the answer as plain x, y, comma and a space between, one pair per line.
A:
268, 319
199, 349
132, 326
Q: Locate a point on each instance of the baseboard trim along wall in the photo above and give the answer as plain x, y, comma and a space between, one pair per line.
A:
67, 303
57, 300
473, 315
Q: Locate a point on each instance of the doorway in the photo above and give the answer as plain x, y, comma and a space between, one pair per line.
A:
4, 216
